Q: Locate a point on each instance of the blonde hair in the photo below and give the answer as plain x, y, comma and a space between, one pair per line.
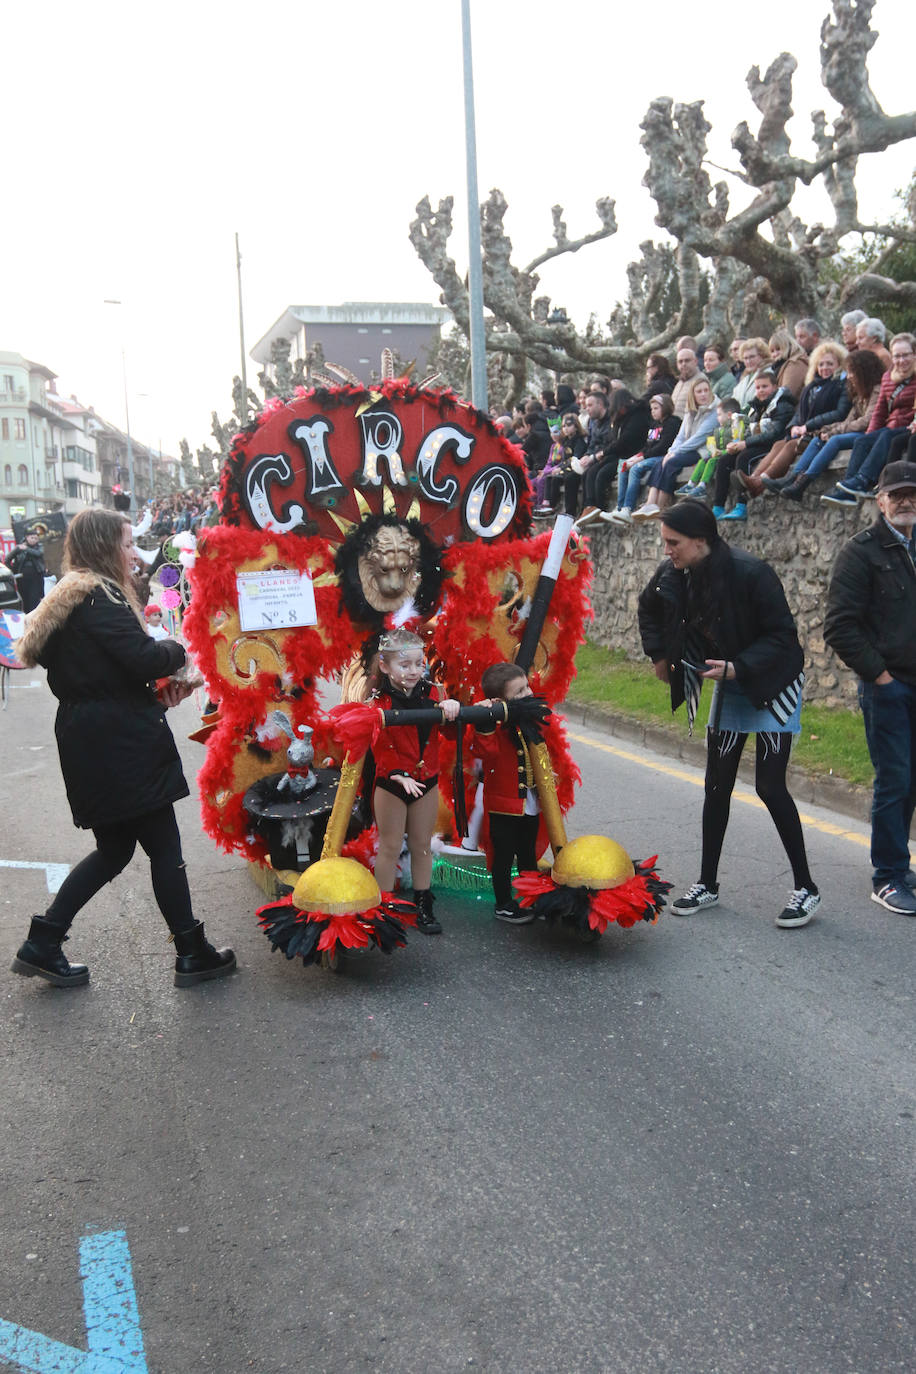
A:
827, 348
761, 346
691, 391
786, 346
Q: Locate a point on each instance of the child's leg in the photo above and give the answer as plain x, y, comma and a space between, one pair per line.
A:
391, 819
502, 840
421, 820
526, 845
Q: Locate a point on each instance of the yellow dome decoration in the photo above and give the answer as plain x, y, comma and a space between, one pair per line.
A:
592, 861
337, 887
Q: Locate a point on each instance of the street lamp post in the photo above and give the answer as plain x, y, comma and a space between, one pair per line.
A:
130, 447
475, 274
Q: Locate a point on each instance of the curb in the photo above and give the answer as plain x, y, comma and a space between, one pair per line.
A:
833, 793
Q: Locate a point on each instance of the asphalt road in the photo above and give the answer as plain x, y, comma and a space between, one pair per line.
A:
685, 1148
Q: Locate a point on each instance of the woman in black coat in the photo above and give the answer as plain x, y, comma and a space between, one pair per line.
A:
120, 765
715, 613
630, 420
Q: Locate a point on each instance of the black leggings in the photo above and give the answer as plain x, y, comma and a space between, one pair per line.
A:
722, 759
157, 834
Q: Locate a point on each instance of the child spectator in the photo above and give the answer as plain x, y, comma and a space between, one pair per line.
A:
569, 444
509, 797
697, 424
730, 426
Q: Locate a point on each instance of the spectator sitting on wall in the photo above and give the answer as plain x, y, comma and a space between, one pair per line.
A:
729, 426
863, 383
718, 371
697, 424
687, 369
632, 472
629, 424
768, 419
824, 401
893, 413
808, 335
848, 324
789, 361
598, 438
871, 333
734, 353
755, 354
659, 377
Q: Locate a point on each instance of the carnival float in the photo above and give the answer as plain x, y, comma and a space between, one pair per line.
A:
346, 511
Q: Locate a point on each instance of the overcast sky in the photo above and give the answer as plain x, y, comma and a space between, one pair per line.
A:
138, 140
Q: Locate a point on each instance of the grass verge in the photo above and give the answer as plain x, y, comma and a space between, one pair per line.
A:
831, 741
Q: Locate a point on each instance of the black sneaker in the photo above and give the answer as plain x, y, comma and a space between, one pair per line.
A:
694, 899
896, 897
514, 915
799, 909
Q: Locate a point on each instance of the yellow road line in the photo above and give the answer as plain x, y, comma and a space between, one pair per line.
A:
740, 794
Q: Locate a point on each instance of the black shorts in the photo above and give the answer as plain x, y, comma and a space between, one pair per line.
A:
397, 790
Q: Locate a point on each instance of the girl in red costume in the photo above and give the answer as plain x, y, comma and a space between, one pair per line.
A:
406, 794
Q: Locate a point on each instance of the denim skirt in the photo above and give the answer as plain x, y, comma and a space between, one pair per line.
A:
739, 714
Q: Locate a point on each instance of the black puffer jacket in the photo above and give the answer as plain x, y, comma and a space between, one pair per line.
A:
871, 606
117, 753
822, 402
754, 630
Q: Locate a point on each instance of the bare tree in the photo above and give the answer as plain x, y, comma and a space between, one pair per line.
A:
726, 266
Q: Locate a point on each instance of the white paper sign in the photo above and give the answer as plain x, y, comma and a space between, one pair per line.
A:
275, 600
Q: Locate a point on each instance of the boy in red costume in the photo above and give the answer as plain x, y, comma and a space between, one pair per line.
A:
509, 797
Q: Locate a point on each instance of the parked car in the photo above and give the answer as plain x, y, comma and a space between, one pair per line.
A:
9, 592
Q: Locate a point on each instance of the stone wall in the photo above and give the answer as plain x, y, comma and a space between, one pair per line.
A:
799, 541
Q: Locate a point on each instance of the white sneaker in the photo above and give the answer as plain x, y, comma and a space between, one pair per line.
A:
622, 516
647, 512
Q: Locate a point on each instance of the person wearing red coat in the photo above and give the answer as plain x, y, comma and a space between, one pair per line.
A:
509, 798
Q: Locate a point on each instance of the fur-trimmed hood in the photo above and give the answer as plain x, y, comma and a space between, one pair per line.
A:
54, 611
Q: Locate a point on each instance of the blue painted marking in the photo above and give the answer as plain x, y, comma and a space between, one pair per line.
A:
54, 873
112, 1319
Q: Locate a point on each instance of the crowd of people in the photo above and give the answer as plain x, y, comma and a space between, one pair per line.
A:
762, 417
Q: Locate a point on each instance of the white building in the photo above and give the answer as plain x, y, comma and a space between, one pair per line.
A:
33, 435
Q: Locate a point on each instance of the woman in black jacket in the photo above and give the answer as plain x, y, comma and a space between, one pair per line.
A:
716, 613
630, 420
120, 765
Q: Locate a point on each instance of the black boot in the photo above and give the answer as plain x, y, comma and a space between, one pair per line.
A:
797, 489
197, 961
42, 957
778, 483
426, 921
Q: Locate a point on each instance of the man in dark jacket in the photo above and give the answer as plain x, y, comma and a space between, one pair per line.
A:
871, 625
28, 563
